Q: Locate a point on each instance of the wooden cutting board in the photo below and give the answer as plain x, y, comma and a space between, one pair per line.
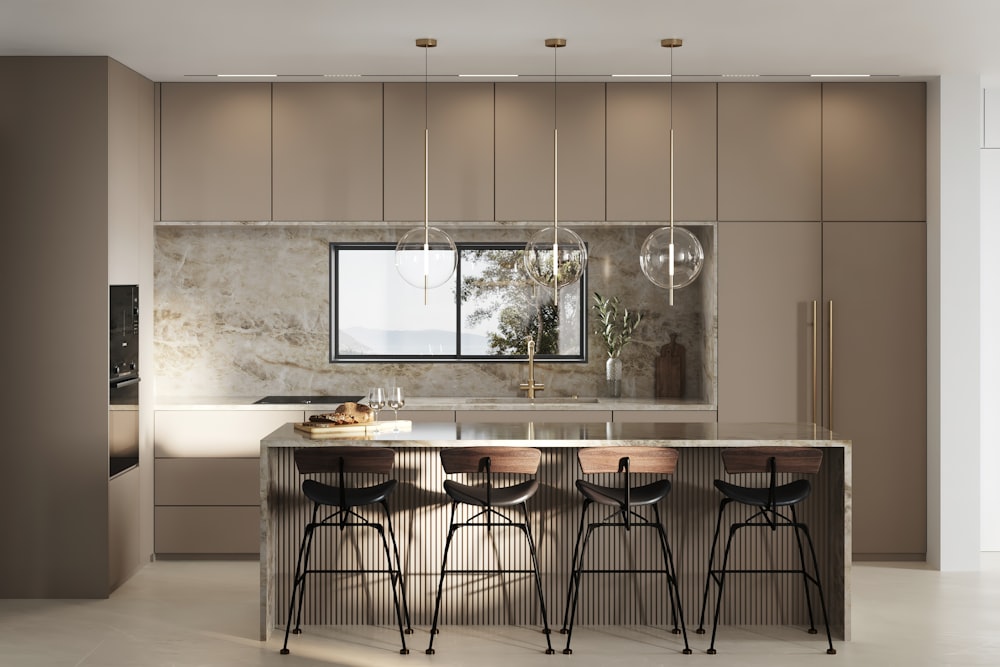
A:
319, 430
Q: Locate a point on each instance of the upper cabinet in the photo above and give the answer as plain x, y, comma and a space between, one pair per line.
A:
215, 153
770, 151
460, 151
874, 151
638, 151
525, 154
327, 157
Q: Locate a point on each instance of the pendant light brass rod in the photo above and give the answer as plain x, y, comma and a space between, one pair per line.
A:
555, 43
426, 44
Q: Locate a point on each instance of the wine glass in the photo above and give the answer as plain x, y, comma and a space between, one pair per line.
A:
376, 400
396, 401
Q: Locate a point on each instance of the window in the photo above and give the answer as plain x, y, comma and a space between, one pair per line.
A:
485, 314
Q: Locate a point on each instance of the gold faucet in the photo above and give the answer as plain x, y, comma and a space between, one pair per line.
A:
531, 386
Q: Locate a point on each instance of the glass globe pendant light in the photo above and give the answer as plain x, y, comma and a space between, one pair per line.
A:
426, 256
671, 257
555, 257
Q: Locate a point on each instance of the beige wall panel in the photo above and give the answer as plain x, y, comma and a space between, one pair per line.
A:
769, 274
874, 151
215, 152
668, 416
460, 123
327, 151
123, 527
536, 416
875, 275
207, 481
54, 167
770, 151
638, 154
216, 433
524, 151
207, 530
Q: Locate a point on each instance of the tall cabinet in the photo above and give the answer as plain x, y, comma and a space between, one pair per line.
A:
822, 317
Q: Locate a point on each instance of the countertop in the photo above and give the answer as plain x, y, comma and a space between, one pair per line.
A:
448, 434
445, 403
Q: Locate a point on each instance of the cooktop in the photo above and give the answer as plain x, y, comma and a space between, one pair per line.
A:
333, 400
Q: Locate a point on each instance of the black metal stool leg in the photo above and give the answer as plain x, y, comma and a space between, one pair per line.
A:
805, 572
576, 551
672, 591
721, 580
538, 580
298, 581
819, 588
711, 562
399, 569
444, 561
392, 584
576, 588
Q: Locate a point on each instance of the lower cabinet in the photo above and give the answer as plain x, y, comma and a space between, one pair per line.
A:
206, 479
665, 416
526, 416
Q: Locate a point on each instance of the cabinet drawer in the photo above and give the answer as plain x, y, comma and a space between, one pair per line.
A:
666, 416
207, 530
216, 433
207, 482
537, 416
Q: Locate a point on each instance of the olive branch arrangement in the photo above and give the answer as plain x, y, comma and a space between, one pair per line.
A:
615, 331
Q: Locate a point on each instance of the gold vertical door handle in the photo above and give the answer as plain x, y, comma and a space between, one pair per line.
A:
815, 364
829, 417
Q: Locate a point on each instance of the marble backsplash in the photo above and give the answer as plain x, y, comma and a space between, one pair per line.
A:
244, 311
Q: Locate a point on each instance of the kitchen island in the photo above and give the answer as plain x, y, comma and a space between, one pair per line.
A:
420, 519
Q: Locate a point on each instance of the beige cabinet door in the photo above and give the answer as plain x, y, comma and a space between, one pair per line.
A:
215, 151
638, 155
460, 151
770, 275
874, 151
874, 274
525, 121
327, 151
770, 151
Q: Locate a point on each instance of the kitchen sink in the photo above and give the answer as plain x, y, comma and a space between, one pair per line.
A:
307, 400
524, 400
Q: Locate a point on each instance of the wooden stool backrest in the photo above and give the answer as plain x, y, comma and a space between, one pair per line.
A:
786, 459
521, 460
660, 460
355, 459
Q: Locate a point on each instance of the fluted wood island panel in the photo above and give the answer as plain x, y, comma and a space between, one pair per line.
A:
420, 516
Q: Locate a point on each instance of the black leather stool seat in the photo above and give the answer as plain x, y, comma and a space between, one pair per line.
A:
324, 494
504, 496
784, 495
648, 494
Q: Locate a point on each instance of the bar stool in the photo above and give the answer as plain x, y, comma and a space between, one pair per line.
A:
489, 498
342, 499
626, 461
765, 503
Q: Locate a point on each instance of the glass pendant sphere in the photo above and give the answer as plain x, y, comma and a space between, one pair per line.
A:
654, 257
570, 259
426, 260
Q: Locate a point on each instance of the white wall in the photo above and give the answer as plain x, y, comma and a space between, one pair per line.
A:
989, 250
953, 288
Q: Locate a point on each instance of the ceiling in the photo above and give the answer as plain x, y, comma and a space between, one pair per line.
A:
177, 40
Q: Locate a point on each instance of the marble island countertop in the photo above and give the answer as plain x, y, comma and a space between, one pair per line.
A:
448, 434
447, 403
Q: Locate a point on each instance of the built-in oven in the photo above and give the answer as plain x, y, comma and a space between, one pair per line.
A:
123, 391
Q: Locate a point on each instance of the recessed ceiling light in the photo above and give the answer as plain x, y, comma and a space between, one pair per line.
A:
343, 76
840, 76
740, 76
639, 76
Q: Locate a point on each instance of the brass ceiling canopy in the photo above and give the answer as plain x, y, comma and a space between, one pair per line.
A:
671, 42
555, 42
427, 42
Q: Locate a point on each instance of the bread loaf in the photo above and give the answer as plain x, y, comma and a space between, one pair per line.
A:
346, 413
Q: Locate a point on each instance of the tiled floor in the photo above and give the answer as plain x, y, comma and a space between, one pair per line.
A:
182, 613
